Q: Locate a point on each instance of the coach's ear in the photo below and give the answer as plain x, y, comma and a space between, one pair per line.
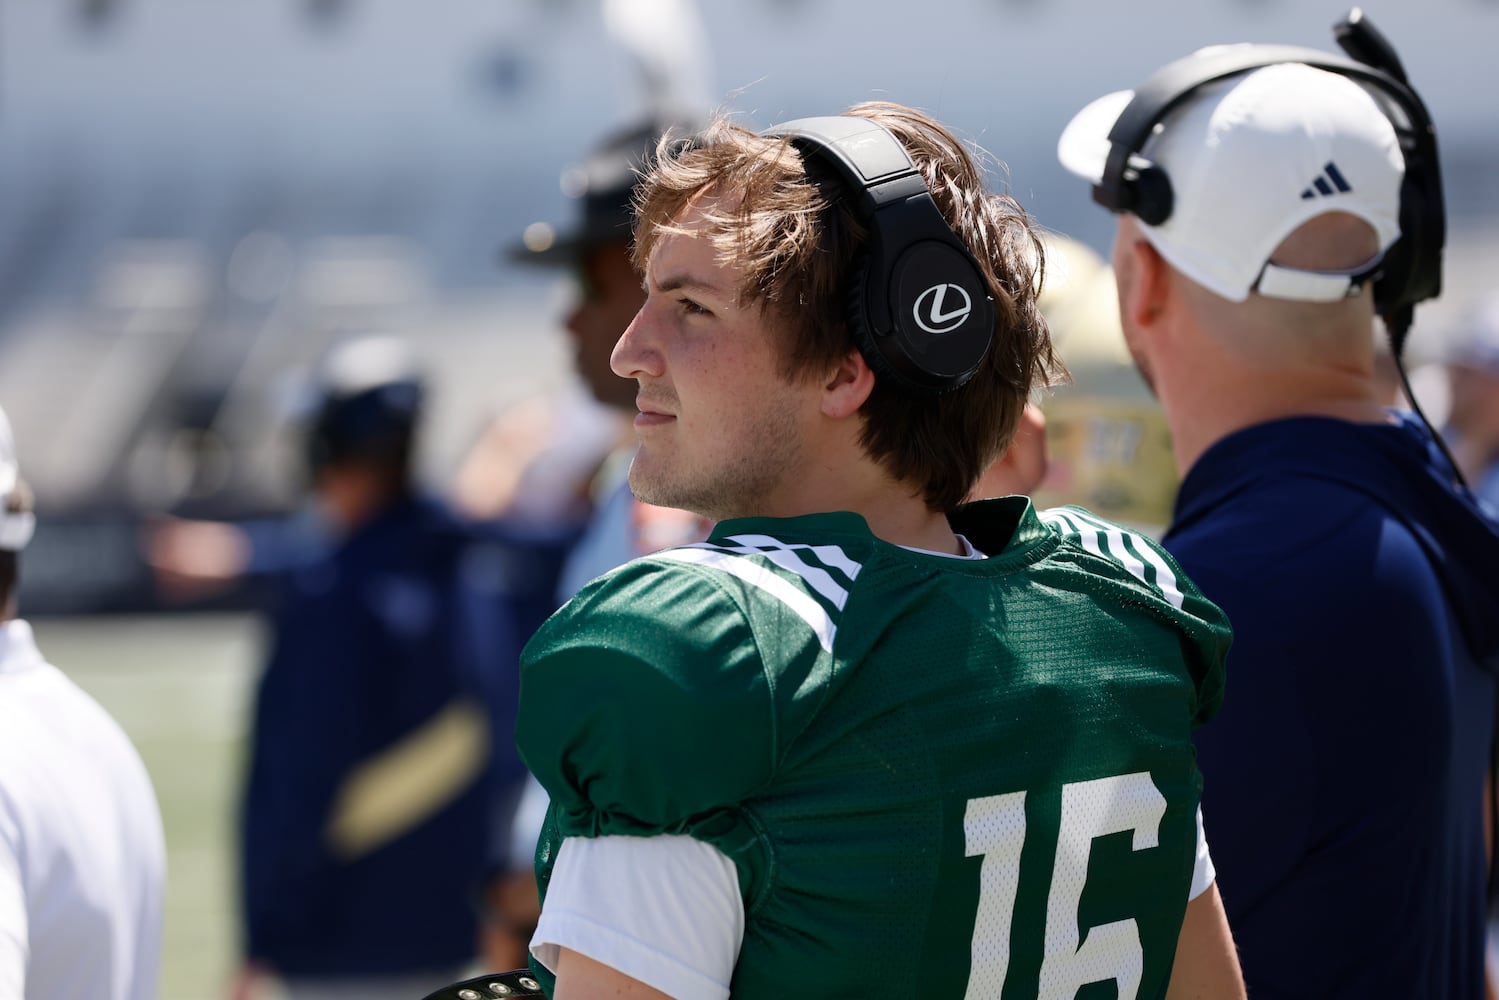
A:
847, 385
1141, 276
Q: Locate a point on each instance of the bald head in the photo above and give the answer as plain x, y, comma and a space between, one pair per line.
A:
1336, 241
1272, 331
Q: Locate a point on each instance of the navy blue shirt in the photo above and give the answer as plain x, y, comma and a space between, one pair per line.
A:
407, 630
1343, 777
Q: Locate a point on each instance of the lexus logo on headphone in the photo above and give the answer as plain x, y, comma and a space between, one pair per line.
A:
942, 308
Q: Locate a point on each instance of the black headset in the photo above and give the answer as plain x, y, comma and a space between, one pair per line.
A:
1411, 270
920, 308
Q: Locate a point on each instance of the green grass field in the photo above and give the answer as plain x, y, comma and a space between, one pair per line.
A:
180, 686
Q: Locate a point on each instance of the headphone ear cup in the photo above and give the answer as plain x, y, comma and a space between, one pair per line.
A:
1419, 264
914, 356
1151, 196
863, 331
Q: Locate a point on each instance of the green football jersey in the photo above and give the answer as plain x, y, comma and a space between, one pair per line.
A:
936, 777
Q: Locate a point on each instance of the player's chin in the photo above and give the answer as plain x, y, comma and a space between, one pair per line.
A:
649, 481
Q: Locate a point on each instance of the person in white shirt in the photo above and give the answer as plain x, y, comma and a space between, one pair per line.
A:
82, 853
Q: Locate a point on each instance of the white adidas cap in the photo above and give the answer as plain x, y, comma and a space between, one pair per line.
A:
15, 529
1251, 159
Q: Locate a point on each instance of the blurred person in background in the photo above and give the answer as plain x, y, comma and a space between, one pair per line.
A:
1472, 429
1344, 777
1022, 465
82, 854
381, 756
595, 247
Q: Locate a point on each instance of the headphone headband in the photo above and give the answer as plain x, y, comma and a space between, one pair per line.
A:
1412, 268
873, 161
1173, 83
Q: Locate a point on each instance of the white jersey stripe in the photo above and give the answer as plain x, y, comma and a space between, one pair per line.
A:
1127, 558
759, 575
832, 555
1165, 580
1126, 548
783, 556
816, 577
1090, 532
1085, 532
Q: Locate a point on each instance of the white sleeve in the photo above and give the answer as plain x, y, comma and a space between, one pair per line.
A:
15, 940
665, 910
1203, 873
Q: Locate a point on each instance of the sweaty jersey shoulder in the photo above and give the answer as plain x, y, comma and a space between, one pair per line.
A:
1138, 564
657, 694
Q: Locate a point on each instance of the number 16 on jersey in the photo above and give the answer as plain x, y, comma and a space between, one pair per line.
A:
994, 827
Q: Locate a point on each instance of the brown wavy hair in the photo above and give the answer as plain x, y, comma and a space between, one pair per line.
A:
793, 229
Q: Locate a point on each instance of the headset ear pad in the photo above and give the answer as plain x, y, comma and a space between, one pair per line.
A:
1394, 285
1151, 197
861, 325
938, 317
1411, 258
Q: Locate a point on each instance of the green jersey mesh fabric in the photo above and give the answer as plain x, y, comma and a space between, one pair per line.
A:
936, 777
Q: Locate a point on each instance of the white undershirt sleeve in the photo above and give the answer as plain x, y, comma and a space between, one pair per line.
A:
665, 910
1203, 873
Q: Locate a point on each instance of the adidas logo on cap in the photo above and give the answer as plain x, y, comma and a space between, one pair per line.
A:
1329, 181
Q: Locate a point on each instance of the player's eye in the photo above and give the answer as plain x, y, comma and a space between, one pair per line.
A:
692, 308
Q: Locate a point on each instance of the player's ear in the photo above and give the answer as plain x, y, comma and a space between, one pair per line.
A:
847, 385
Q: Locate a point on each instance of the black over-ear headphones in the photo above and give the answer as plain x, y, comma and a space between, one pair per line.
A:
1411, 271
921, 312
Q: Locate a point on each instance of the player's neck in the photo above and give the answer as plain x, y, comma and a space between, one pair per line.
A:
894, 511
915, 528
837, 474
